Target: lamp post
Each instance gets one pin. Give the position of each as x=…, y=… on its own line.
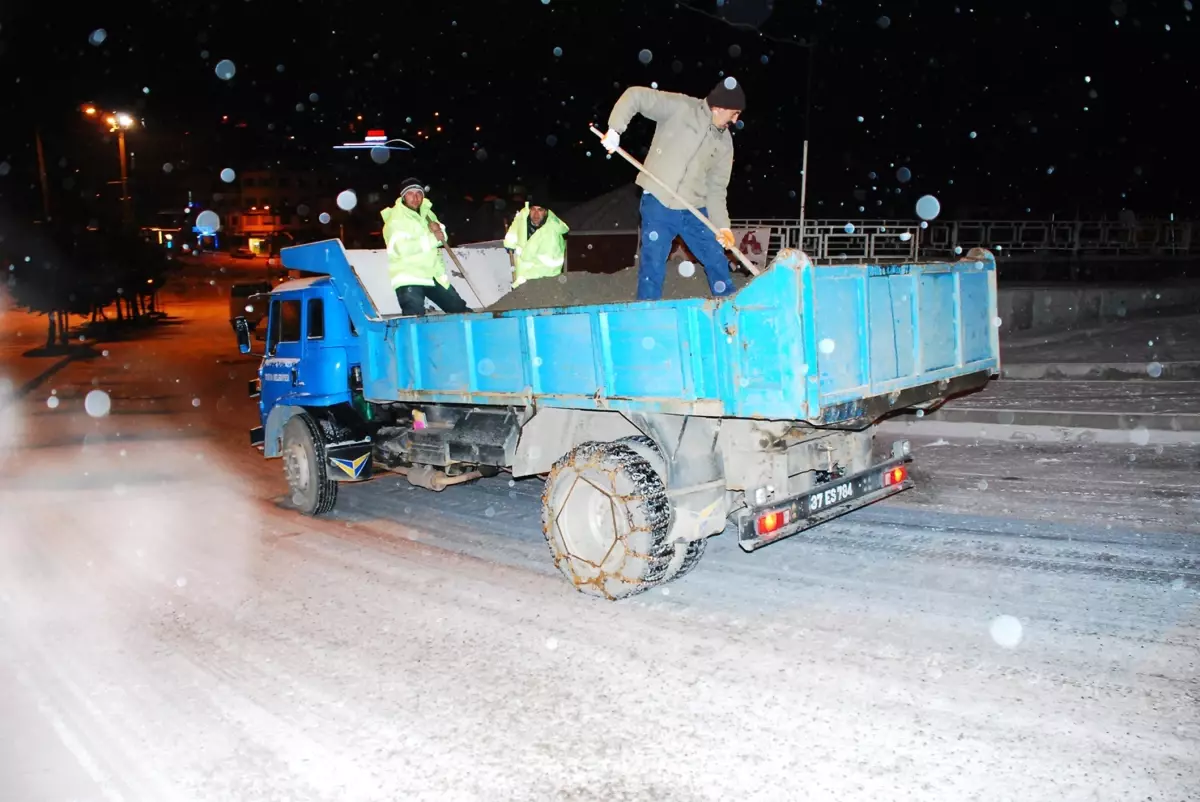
x=119, y=122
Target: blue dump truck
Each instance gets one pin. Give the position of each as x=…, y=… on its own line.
x=655, y=424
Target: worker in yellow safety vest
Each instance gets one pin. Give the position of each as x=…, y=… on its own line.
x=536, y=244
x=414, y=238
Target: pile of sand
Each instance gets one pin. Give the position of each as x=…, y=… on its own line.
x=586, y=289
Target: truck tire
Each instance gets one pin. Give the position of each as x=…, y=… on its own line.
x=605, y=516
x=685, y=555
x=304, y=466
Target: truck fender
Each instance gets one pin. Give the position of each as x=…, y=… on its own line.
x=277, y=418
x=553, y=431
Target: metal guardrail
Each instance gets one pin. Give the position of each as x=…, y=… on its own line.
x=1114, y=238
x=830, y=241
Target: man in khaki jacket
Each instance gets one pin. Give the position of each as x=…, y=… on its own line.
x=692, y=153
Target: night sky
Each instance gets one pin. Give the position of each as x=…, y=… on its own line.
x=999, y=109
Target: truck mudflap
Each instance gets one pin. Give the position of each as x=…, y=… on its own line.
x=350, y=462
x=761, y=526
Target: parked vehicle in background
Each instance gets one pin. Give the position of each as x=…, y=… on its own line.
x=249, y=301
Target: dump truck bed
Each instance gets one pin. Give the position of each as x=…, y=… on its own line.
x=800, y=342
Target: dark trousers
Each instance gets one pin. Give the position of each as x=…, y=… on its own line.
x=660, y=226
x=412, y=299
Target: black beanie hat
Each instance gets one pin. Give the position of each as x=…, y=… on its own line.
x=723, y=97
x=411, y=183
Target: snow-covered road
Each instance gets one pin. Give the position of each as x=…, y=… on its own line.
x=1023, y=626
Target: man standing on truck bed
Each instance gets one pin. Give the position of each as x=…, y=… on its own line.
x=413, y=235
x=692, y=153
x=536, y=244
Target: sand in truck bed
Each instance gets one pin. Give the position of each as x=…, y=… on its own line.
x=586, y=289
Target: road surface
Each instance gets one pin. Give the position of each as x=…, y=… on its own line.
x=1022, y=626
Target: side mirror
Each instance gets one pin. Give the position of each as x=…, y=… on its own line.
x=243, y=334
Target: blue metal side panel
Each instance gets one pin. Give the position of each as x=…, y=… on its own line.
x=939, y=321
x=843, y=346
x=890, y=302
x=975, y=292
x=764, y=348
x=924, y=323
x=700, y=361
x=809, y=369
x=648, y=354
x=683, y=356
x=757, y=354
x=563, y=354
x=440, y=351
x=498, y=358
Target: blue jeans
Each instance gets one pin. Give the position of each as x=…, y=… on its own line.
x=412, y=299
x=660, y=226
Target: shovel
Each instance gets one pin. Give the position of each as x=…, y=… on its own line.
x=463, y=273
x=746, y=263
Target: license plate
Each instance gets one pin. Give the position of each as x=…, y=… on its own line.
x=830, y=497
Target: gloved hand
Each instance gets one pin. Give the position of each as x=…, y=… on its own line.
x=611, y=141
x=439, y=231
x=726, y=239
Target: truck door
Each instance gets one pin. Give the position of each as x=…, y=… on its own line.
x=281, y=370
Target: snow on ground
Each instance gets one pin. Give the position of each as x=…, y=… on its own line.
x=1024, y=626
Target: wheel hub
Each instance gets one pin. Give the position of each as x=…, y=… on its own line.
x=295, y=467
x=587, y=520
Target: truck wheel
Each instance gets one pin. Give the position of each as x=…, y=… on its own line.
x=312, y=492
x=605, y=516
x=685, y=555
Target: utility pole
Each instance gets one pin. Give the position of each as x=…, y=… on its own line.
x=41, y=157
x=803, y=192
x=126, y=206
x=808, y=84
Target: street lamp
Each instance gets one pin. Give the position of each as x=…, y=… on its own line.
x=118, y=122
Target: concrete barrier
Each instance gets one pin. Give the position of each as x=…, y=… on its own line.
x=1045, y=307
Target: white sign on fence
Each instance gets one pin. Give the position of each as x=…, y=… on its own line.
x=750, y=241
x=753, y=242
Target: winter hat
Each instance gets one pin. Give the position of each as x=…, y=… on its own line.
x=728, y=94
x=411, y=183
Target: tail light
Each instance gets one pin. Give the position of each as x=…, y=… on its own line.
x=772, y=521
x=895, y=476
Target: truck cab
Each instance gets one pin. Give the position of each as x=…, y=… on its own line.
x=311, y=364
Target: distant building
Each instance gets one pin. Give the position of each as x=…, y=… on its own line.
x=263, y=210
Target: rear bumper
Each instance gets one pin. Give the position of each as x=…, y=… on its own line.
x=823, y=503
